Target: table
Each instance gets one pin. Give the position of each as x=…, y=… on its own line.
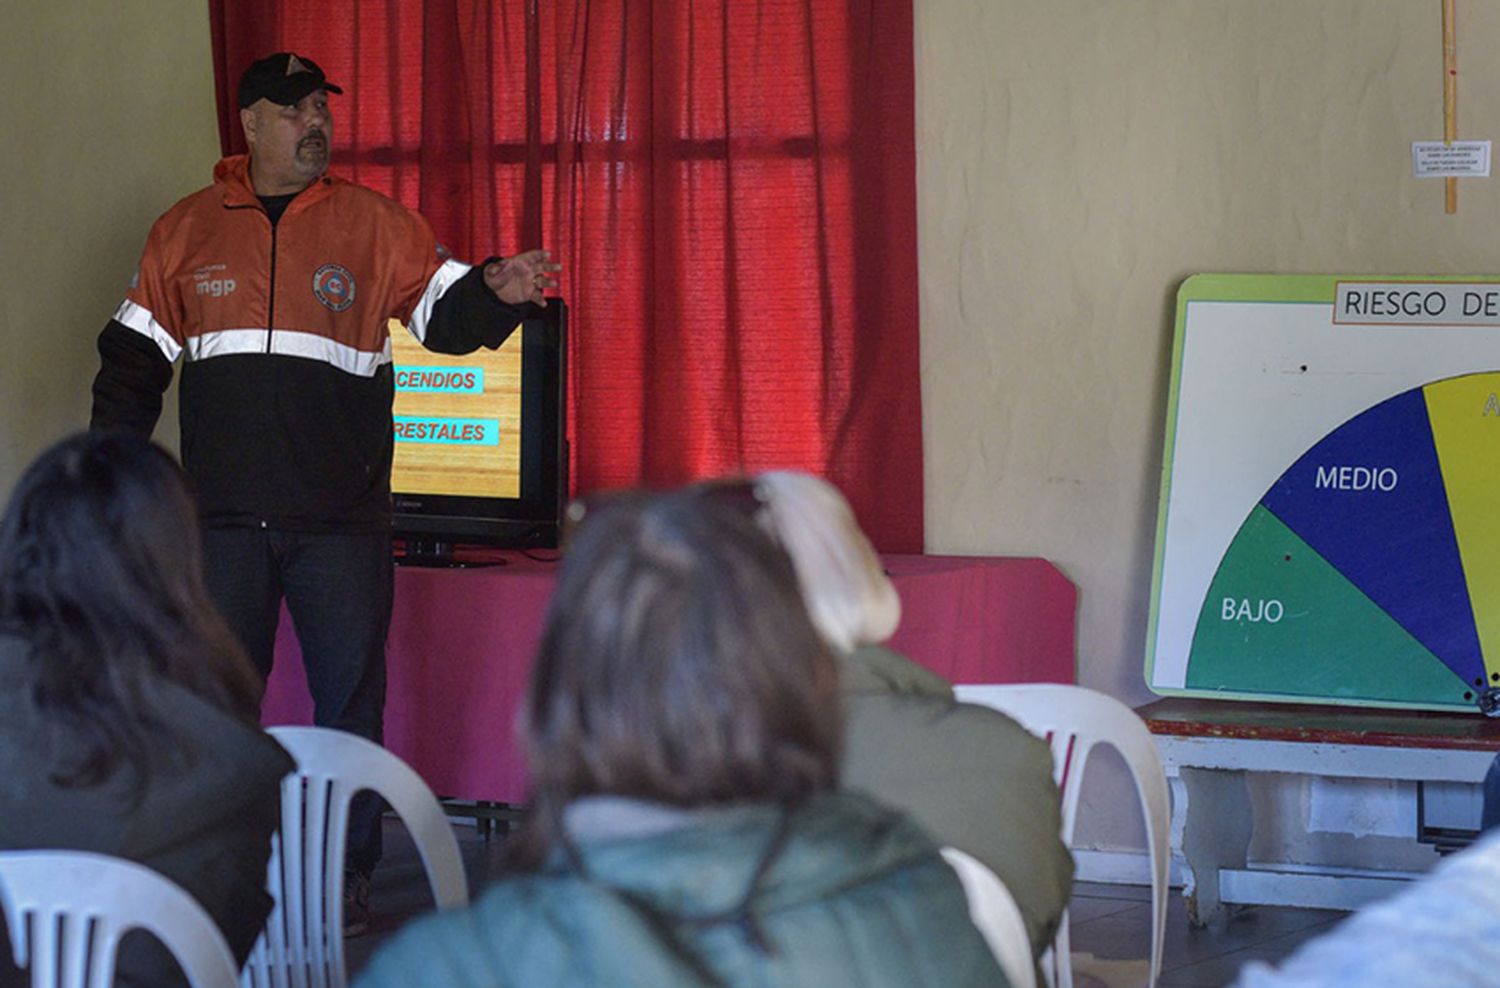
x=1208, y=747
x=462, y=640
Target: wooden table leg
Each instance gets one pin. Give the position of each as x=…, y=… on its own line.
x=1211, y=823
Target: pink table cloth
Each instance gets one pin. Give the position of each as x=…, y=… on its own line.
x=462, y=640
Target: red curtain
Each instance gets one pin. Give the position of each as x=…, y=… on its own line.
x=730, y=185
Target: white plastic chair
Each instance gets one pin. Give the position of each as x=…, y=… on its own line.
x=303, y=943
x=1073, y=720
x=66, y=912
x=994, y=911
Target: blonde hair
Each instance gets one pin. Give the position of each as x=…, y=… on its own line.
x=847, y=592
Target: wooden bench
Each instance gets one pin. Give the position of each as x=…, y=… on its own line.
x=1209, y=746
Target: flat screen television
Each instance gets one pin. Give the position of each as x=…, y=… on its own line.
x=481, y=450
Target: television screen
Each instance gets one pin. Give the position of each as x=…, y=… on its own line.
x=480, y=454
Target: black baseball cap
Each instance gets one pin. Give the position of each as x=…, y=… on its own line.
x=282, y=78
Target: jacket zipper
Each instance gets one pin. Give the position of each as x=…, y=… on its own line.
x=271, y=310
x=271, y=303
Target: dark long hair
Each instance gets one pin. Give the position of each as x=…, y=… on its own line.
x=100, y=571
x=678, y=665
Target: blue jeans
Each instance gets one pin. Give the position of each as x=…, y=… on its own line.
x=339, y=589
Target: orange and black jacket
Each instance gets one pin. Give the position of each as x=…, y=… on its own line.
x=286, y=390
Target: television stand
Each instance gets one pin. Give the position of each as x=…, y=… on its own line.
x=441, y=553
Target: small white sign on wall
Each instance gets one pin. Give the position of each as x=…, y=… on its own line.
x=1438, y=159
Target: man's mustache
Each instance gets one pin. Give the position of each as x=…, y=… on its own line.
x=315, y=136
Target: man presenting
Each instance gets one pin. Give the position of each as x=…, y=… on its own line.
x=275, y=285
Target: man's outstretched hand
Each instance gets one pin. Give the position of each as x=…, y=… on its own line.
x=522, y=278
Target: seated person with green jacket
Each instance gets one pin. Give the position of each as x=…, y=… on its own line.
x=687, y=828
x=973, y=777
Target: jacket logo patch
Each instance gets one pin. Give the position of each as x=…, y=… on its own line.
x=208, y=280
x=334, y=286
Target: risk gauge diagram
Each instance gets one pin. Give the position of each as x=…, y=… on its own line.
x=1370, y=570
x=1329, y=526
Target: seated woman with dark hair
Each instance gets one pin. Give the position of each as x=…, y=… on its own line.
x=682, y=731
x=972, y=776
x=127, y=709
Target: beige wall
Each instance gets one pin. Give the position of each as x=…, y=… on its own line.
x=108, y=118
x=1076, y=160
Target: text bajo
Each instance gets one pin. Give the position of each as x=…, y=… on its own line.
x=1269, y=611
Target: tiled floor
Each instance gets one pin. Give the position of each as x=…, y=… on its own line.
x=1114, y=921
x=1110, y=922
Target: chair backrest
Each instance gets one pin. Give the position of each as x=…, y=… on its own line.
x=994, y=911
x=303, y=943
x=1073, y=720
x=67, y=910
